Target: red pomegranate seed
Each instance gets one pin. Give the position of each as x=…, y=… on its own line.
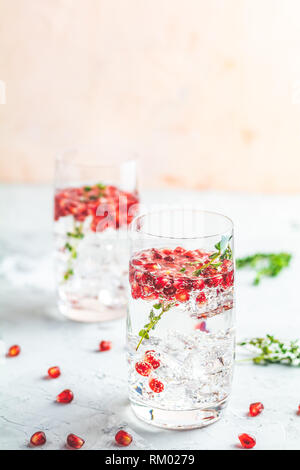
x=169, y=291
x=143, y=368
x=202, y=327
x=38, y=438
x=14, y=351
x=156, y=385
x=255, y=408
x=156, y=254
x=105, y=346
x=179, y=250
x=201, y=299
x=160, y=282
x=54, y=372
x=151, y=266
x=123, y=438
x=74, y=441
x=151, y=359
x=198, y=284
x=247, y=441
x=66, y=396
x=182, y=296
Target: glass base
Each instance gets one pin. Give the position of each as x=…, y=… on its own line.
x=90, y=311
x=179, y=419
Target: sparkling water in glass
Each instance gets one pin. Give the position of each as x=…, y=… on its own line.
x=180, y=324
x=95, y=200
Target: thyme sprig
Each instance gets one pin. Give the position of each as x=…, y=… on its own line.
x=77, y=234
x=265, y=264
x=154, y=318
x=270, y=350
x=223, y=252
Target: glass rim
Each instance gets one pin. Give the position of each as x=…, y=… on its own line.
x=61, y=157
x=165, y=237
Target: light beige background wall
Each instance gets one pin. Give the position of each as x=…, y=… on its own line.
x=207, y=91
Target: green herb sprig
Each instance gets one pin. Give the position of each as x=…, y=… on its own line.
x=154, y=318
x=265, y=265
x=77, y=234
x=270, y=350
x=223, y=252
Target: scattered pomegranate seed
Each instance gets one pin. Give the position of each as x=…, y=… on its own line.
x=14, y=351
x=247, y=441
x=38, y=438
x=202, y=327
x=143, y=368
x=54, y=372
x=151, y=359
x=255, y=408
x=156, y=385
x=74, y=441
x=123, y=438
x=105, y=346
x=66, y=396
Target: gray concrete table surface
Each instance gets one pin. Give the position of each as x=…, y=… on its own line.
x=28, y=317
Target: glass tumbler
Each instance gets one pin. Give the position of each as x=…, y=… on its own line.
x=181, y=322
x=95, y=200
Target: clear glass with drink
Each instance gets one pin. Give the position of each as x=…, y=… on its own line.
x=95, y=199
x=181, y=323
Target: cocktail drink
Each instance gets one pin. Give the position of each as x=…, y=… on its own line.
x=181, y=332
x=93, y=207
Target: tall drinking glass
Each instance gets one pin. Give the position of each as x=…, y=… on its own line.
x=95, y=200
x=181, y=325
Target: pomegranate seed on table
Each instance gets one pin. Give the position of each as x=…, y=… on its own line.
x=156, y=385
x=143, y=368
x=54, y=372
x=74, y=441
x=66, y=396
x=38, y=438
x=105, y=346
x=255, y=408
x=151, y=359
x=123, y=438
x=202, y=327
x=14, y=351
x=247, y=442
